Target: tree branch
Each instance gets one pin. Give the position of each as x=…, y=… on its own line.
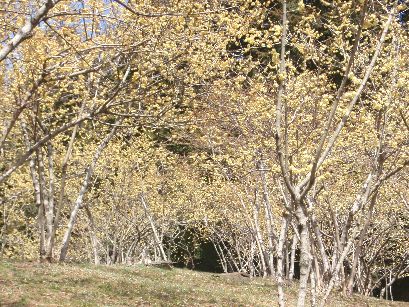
x=28, y=27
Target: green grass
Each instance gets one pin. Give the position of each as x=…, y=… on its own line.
x=33, y=284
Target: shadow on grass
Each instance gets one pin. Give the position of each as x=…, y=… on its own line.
x=22, y=302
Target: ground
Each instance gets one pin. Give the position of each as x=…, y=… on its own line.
x=33, y=284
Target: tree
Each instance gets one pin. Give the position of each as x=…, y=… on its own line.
x=275, y=132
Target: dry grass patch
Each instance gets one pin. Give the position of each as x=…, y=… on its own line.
x=33, y=284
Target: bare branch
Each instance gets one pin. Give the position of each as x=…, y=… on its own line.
x=279, y=108
x=334, y=108
x=170, y=14
x=309, y=180
x=28, y=27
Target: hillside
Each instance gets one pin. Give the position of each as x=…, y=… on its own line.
x=33, y=284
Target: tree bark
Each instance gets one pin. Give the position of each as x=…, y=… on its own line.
x=292, y=258
x=49, y=205
x=268, y=216
x=60, y=201
x=305, y=257
x=28, y=27
x=280, y=258
x=84, y=188
x=158, y=242
x=93, y=236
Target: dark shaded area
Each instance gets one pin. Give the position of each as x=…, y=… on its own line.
x=208, y=261
x=403, y=16
x=190, y=250
x=296, y=265
x=400, y=290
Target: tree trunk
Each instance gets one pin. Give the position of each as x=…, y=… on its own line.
x=84, y=189
x=62, y=191
x=222, y=258
x=35, y=177
x=49, y=209
x=280, y=257
x=93, y=236
x=158, y=242
x=292, y=258
x=268, y=219
x=313, y=287
x=305, y=257
x=323, y=254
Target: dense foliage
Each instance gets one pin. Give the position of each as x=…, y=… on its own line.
x=275, y=132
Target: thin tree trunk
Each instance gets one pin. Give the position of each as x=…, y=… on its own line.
x=286, y=258
x=233, y=261
x=84, y=189
x=3, y=229
x=155, y=233
x=255, y=230
x=222, y=259
x=292, y=258
x=60, y=201
x=313, y=288
x=280, y=256
x=259, y=241
x=37, y=194
x=315, y=267
x=318, y=236
x=49, y=205
x=390, y=283
x=93, y=236
x=268, y=219
x=251, y=259
x=332, y=281
x=42, y=221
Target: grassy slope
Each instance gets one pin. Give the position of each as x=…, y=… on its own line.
x=30, y=284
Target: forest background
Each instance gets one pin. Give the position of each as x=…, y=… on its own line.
x=276, y=132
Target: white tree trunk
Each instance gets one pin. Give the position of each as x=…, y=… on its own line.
x=155, y=232
x=268, y=216
x=28, y=27
x=292, y=257
x=84, y=189
x=280, y=258
x=305, y=257
x=93, y=236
